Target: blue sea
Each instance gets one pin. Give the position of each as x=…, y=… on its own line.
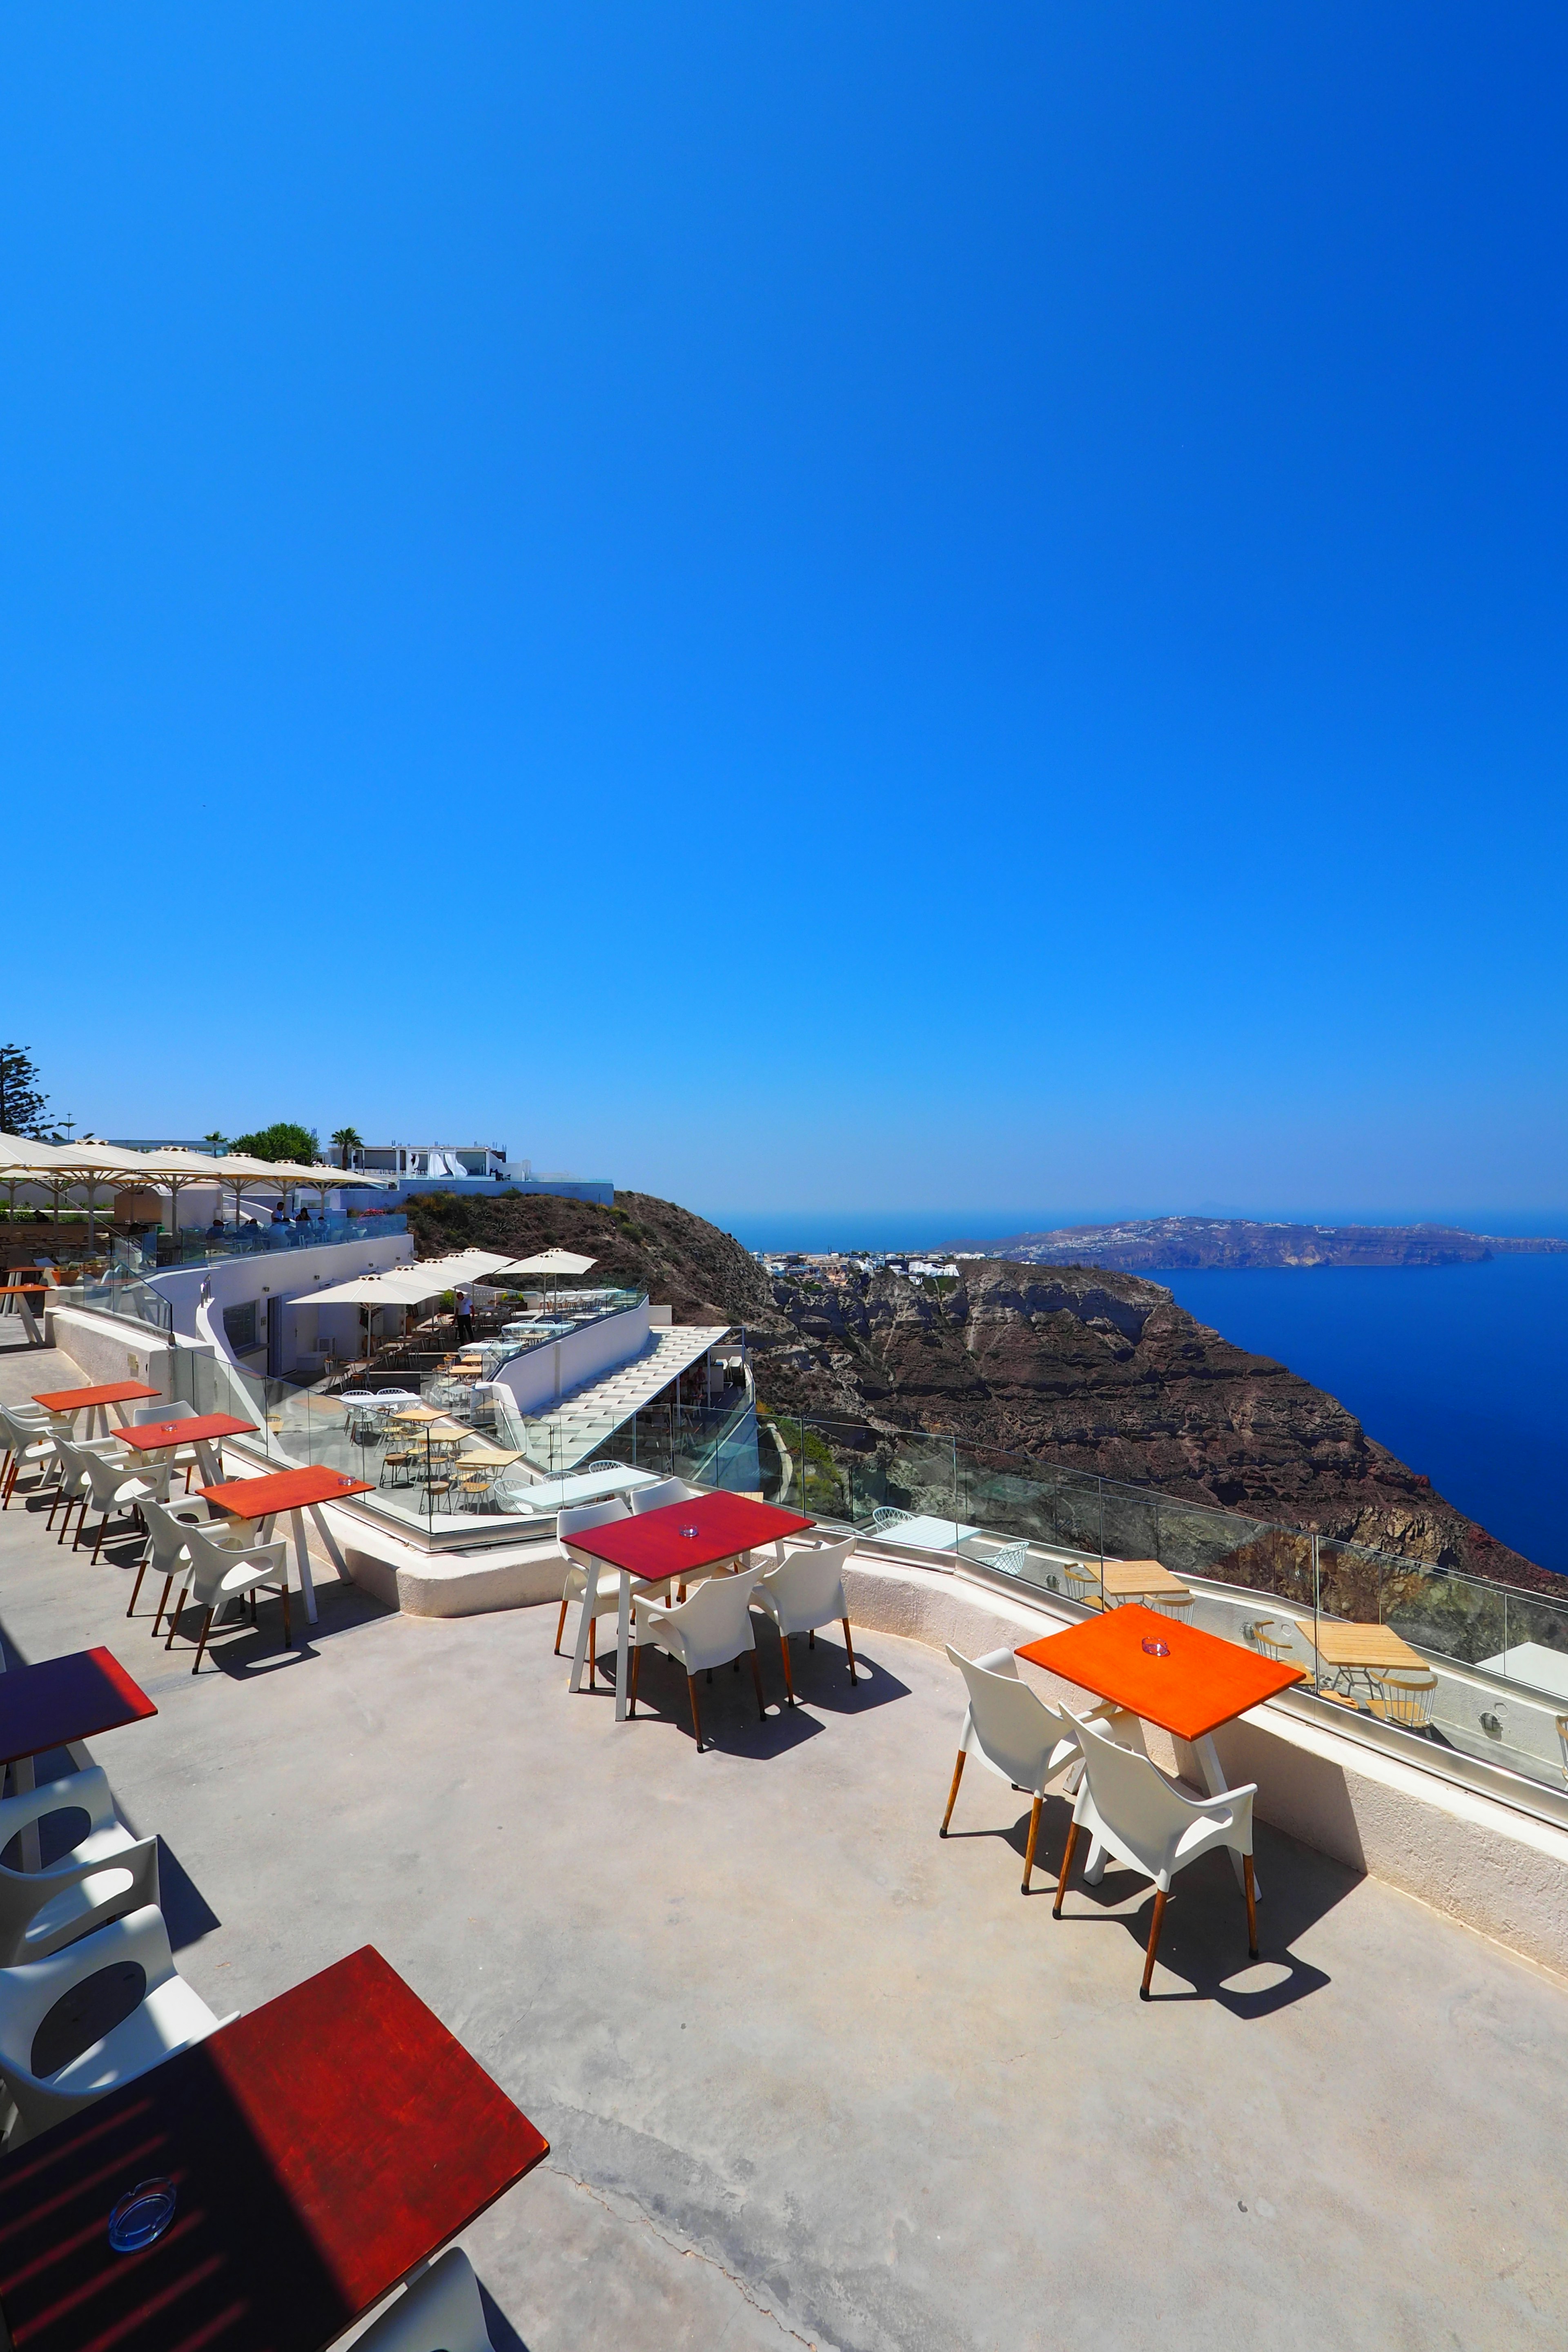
x=1461, y=1371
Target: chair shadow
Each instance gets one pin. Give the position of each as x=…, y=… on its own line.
x=728, y=1706
x=1204, y=1936
x=238, y=1648
x=503, y=2336
x=822, y=1675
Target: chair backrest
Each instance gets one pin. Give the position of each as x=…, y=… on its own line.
x=809, y=1585
x=884, y=1516
x=1011, y=1560
x=1131, y=1794
x=75, y=1458
x=211, y=1560
x=1015, y=1730
x=717, y=1615
x=439, y=2312
x=106, y=1475
x=582, y=1516
x=167, y=1409
x=168, y=1530
x=662, y=1491
x=32, y=1990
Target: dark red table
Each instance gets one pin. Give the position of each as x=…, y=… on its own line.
x=296, y=1492
x=321, y=2147
x=654, y=1546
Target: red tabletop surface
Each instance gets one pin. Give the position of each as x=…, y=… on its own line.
x=1203, y=1682
x=197, y=1428
x=282, y=1490
x=112, y=1392
x=653, y=1548
x=319, y=2146
x=60, y=1699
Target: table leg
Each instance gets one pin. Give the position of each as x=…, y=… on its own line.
x=302, y=1561
x=207, y=1458
x=623, y=1645
x=22, y=1782
x=331, y=1542
x=1214, y=1782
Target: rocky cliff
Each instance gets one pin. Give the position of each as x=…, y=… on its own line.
x=1074, y=1365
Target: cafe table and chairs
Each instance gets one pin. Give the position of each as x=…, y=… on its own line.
x=61, y=1703
x=1356, y=1657
x=96, y=1403
x=1146, y=1581
x=265, y=2189
x=1159, y=1671
x=203, y=1432
x=296, y=1495
x=923, y=1531
x=652, y=1549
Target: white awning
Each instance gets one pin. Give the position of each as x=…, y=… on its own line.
x=550, y=1261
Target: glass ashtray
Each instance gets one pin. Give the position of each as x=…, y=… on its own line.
x=689, y=1531
x=1155, y=1647
x=141, y=2216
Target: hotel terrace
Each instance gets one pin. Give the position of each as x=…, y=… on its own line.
x=670, y=1868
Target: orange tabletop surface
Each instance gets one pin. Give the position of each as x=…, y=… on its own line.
x=112, y=1392
x=1203, y=1682
x=282, y=1490
x=197, y=1429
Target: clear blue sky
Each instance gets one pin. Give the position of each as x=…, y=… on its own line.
x=820, y=606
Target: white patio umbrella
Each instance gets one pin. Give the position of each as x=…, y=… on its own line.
x=554, y=1262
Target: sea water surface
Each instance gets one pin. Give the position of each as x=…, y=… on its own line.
x=1461, y=1371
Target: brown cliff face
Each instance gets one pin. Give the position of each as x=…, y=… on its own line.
x=1073, y=1365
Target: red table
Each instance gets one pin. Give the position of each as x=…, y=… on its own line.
x=296, y=1492
x=94, y=1399
x=323, y=2148
x=1201, y=1682
x=201, y=1429
x=654, y=1546
x=60, y=1703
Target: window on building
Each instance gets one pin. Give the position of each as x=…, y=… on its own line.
x=239, y=1328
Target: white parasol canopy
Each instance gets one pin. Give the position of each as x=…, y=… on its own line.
x=550, y=1261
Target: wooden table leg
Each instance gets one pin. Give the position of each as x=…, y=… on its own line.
x=1214, y=1782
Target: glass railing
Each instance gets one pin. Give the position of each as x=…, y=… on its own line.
x=205, y=1244
x=115, y=1290
x=1489, y=1678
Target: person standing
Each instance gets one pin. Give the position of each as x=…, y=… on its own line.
x=465, y=1315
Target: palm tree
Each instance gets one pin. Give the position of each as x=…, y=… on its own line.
x=348, y=1141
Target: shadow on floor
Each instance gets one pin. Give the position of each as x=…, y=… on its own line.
x=503, y=2336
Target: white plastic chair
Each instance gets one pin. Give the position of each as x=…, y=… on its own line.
x=164, y=1550
x=1150, y=1825
x=182, y=1457
x=1015, y=1734
x=663, y=1492
x=106, y=1873
x=170, y=2016
x=29, y=1444
x=583, y=1570
x=109, y=1486
x=805, y=1591
x=216, y=1573
x=439, y=2312
x=710, y=1629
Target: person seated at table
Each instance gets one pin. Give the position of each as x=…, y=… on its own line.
x=304, y=1217
x=280, y=1213
x=217, y=1225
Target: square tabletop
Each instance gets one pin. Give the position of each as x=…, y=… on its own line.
x=319, y=2146
x=1127, y=1578
x=654, y=1545
x=1338, y=1645
x=110, y=1393
x=197, y=1429
x=64, y=1699
x=282, y=1490
x=927, y=1534
x=1201, y=1684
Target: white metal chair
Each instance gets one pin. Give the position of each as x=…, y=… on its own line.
x=662, y=1491
x=1015, y=1734
x=885, y=1516
x=106, y=1873
x=711, y=1629
x=216, y=1573
x=1127, y=1804
x=583, y=1570
x=170, y=2016
x=1172, y=1605
x=1011, y=1560
x=1404, y=1694
x=108, y=1485
x=439, y=2312
x=805, y=1591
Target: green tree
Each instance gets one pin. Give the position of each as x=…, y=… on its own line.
x=348, y=1139
x=284, y=1139
x=22, y=1106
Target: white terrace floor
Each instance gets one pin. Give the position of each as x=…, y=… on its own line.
x=809, y=2075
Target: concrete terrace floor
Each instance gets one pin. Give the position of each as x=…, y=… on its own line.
x=810, y=2075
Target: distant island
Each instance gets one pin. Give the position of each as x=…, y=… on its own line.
x=1181, y=1245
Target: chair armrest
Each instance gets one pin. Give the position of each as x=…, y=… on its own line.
x=1226, y=1802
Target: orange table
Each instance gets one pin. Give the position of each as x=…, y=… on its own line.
x=1200, y=1683
x=93, y=1401
x=296, y=1492
x=201, y=1429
